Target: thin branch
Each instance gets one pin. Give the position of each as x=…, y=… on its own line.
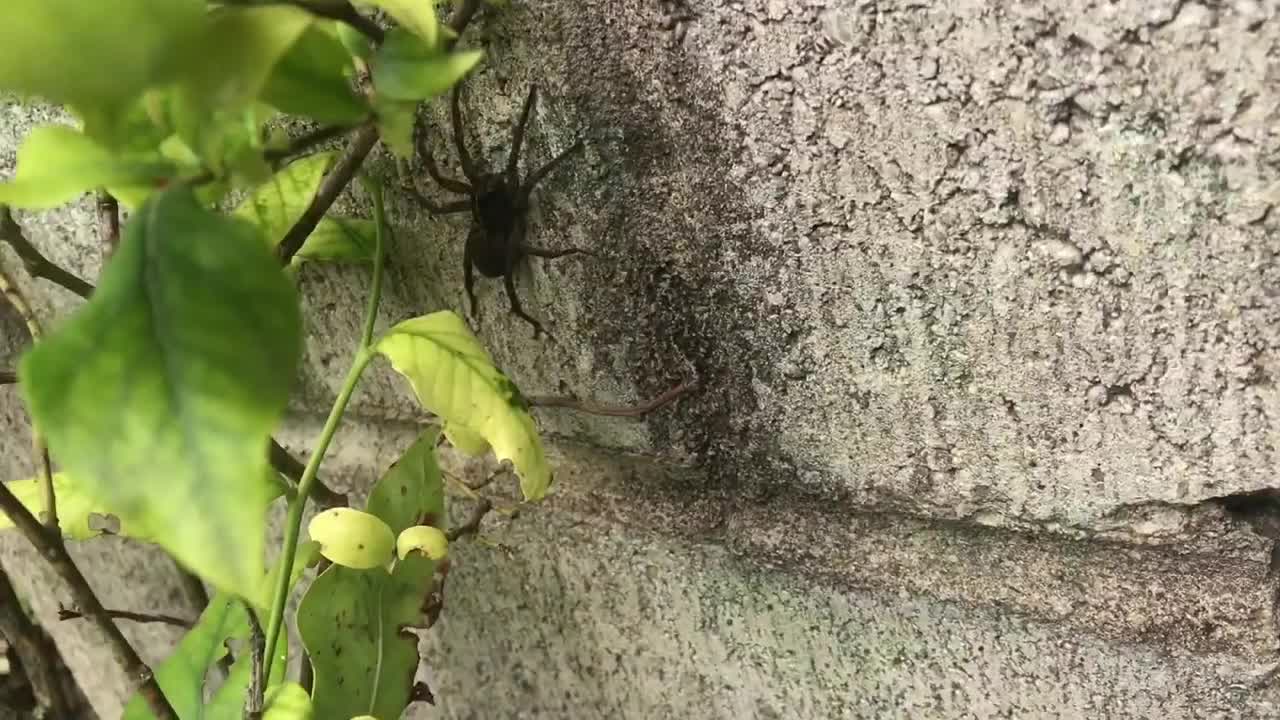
x=108, y=223
x=304, y=142
x=257, y=646
x=9, y=289
x=339, y=10
x=192, y=586
x=8, y=377
x=472, y=525
x=159, y=618
x=572, y=403
x=36, y=264
x=291, y=467
x=330, y=188
x=38, y=656
x=53, y=550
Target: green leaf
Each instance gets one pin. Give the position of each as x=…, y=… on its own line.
x=406, y=68
x=395, y=125
x=337, y=238
x=80, y=515
x=355, y=42
x=95, y=56
x=412, y=491
x=57, y=163
x=455, y=378
x=352, y=621
x=239, y=49
x=414, y=16
x=277, y=204
x=313, y=79
x=160, y=393
x=183, y=675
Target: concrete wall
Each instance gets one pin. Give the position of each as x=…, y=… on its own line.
x=983, y=300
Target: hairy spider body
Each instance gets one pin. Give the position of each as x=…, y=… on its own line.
x=499, y=206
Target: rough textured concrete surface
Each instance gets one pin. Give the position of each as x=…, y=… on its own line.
x=982, y=298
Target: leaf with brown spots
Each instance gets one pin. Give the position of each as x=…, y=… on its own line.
x=354, y=622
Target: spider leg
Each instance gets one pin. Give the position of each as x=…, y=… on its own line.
x=517, y=136
x=468, y=272
x=552, y=254
x=468, y=167
x=450, y=208
x=508, y=276
x=545, y=170
x=429, y=159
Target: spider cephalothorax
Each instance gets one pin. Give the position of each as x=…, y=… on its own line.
x=499, y=206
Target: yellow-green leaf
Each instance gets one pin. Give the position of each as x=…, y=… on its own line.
x=466, y=440
x=352, y=538
x=288, y=702
x=426, y=539
x=57, y=163
x=454, y=377
x=80, y=515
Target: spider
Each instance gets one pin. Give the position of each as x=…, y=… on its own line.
x=499, y=205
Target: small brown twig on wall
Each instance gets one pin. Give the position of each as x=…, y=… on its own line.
x=572, y=403
x=9, y=290
x=38, y=656
x=36, y=263
x=67, y=614
x=472, y=525
x=8, y=377
x=257, y=646
x=108, y=224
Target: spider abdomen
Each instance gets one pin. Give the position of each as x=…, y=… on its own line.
x=494, y=213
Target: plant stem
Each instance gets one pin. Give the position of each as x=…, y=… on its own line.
x=9, y=289
x=293, y=523
x=36, y=651
x=38, y=265
x=379, y=256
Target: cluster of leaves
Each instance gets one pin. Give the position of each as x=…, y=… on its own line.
x=159, y=395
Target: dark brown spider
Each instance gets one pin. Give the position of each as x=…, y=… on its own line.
x=499, y=206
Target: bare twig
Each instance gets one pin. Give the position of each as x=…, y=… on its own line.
x=36, y=264
x=108, y=223
x=192, y=587
x=304, y=142
x=472, y=525
x=9, y=289
x=8, y=377
x=351, y=160
x=339, y=10
x=291, y=467
x=38, y=656
x=51, y=548
x=160, y=618
x=257, y=646
x=330, y=188
x=572, y=403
